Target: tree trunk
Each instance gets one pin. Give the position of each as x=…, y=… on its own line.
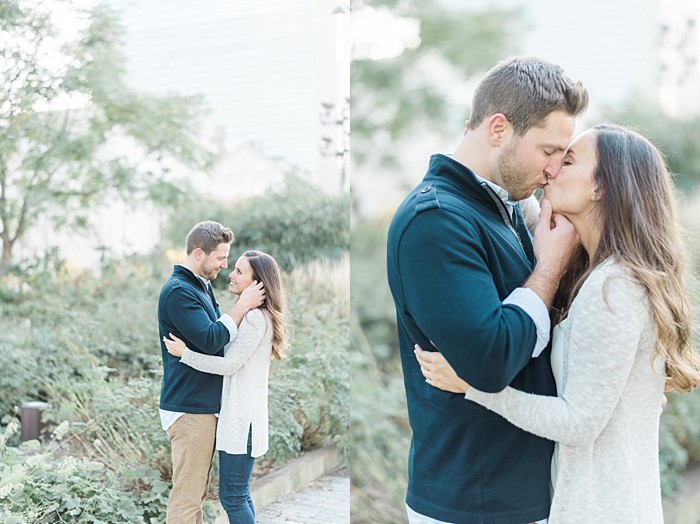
x=6, y=254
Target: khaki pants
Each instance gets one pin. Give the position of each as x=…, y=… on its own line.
x=192, y=440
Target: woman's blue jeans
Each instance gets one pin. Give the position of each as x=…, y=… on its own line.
x=234, y=486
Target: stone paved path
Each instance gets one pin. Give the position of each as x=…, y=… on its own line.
x=324, y=501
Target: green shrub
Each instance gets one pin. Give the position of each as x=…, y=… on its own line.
x=104, y=404
x=679, y=438
x=38, y=358
x=380, y=439
x=113, y=317
x=115, y=422
x=39, y=486
x=123, y=310
x=672, y=458
x=295, y=223
x=309, y=390
x=380, y=435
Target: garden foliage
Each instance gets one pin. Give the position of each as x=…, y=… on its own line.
x=89, y=347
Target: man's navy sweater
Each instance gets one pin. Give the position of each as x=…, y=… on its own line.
x=186, y=310
x=452, y=259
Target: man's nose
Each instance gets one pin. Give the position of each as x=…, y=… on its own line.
x=553, y=167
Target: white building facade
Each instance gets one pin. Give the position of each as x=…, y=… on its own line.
x=267, y=70
x=274, y=78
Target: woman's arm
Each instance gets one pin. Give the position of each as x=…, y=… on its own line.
x=604, y=337
x=250, y=333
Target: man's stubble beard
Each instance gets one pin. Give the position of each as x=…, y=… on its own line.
x=209, y=273
x=512, y=172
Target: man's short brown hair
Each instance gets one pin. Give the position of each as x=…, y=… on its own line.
x=526, y=90
x=207, y=235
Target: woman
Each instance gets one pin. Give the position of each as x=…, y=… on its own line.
x=242, y=431
x=623, y=334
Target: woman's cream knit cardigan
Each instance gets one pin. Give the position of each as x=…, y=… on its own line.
x=245, y=366
x=606, y=416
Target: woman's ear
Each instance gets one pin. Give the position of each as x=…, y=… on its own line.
x=597, y=194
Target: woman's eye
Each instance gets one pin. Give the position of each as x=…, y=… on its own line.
x=567, y=162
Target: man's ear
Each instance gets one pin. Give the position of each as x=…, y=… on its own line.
x=498, y=129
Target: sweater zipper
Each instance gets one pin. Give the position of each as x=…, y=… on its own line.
x=504, y=212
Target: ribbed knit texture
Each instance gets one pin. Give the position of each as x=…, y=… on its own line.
x=606, y=417
x=245, y=366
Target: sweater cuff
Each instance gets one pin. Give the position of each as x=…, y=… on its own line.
x=228, y=322
x=527, y=300
x=186, y=357
x=479, y=397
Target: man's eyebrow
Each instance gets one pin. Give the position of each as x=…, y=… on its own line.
x=555, y=147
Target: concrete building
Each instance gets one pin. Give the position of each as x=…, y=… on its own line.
x=273, y=73
x=274, y=77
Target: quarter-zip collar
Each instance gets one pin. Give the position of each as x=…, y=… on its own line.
x=465, y=180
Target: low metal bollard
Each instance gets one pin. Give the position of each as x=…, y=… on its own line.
x=31, y=420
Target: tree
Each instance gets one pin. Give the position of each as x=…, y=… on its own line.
x=392, y=98
x=72, y=133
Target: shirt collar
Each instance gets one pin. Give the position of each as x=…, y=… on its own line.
x=202, y=279
x=501, y=192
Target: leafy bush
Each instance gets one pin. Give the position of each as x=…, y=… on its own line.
x=39, y=486
x=309, y=391
x=113, y=317
x=380, y=434
x=295, y=223
x=679, y=439
x=104, y=404
x=115, y=422
x=37, y=358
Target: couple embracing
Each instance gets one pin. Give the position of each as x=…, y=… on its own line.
x=514, y=421
x=214, y=390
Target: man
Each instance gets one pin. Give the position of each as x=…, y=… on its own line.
x=461, y=268
x=189, y=399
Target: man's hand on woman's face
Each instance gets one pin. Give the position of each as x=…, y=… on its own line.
x=438, y=372
x=555, y=239
x=174, y=345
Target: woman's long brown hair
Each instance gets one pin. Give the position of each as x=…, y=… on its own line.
x=266, y=270
x=639, y=229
